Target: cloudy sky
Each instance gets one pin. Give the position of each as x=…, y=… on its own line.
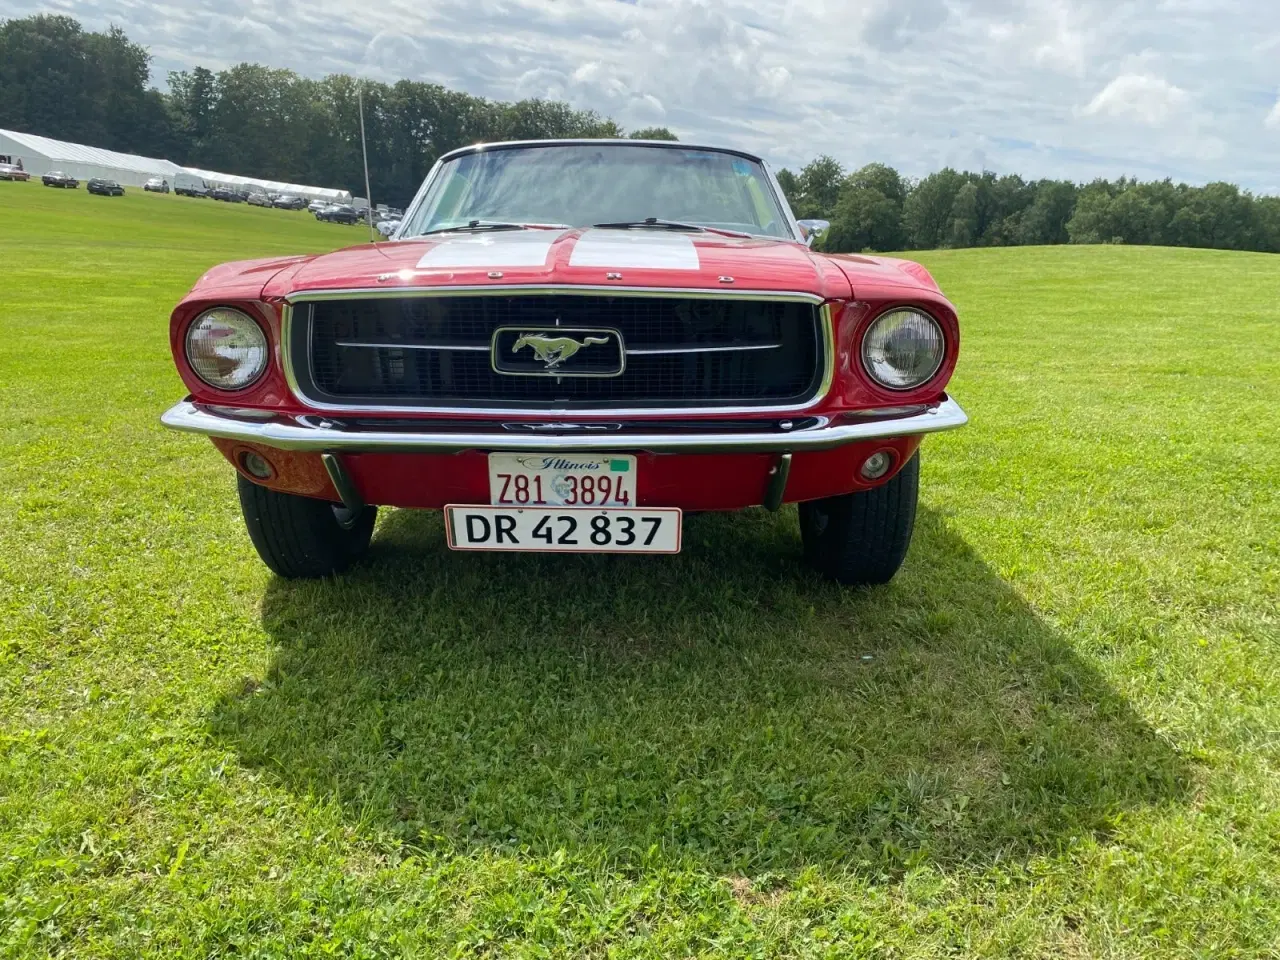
x=1074, y=88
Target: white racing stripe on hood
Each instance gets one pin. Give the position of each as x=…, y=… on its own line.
x=633, y=248
x=514, y=248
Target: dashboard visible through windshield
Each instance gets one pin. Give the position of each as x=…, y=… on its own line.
x=581, y=185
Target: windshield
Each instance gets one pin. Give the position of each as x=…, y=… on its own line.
x=583, y=184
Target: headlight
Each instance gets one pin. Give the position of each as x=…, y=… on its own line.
x=226, y=348
x=903, y=348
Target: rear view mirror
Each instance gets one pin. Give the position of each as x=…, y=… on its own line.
x=812, y=228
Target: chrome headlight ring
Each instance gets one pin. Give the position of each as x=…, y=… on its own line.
x=226, y=348
x=903, y=348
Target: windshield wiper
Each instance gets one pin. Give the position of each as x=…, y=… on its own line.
x=475, y=225
x=661, y=224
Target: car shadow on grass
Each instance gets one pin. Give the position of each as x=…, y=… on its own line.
x=723, y=707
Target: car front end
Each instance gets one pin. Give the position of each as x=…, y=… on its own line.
x=604, y=372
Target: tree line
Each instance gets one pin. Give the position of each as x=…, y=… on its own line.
x=875, y=208
x=59, y=80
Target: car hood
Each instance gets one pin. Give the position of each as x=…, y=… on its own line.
x=588, y=257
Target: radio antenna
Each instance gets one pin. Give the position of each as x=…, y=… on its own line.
x=364, y=151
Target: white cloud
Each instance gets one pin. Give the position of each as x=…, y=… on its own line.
x=1133, y=96
x=1273, y=118
x=897, y=24
x=1048, y=34
x=1176, y=128
x=1077, y=88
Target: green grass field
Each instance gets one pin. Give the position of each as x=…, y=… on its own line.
x=1055, y=734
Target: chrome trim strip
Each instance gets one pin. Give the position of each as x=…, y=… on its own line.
x=588, y=142
x=630, y=351
x=777, y=487
x=826, y=322
x=410, y=346
x=496, y=289
x=246, y=413
x=324, y=436
x=342, y=482
x=792, y=223
x=663, y=351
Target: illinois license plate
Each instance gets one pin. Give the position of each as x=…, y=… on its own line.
x=563, y=529
x=580, y=480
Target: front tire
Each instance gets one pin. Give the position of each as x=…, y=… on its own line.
x=861, y=538
x=301, y=537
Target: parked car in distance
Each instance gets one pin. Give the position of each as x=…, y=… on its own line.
x=156, y=185
x=315, y=206
x=104, y=188
x=9, y=171
x=189, y=185
x=56, y=178
x=338, y=213
x=259, y=200
x=227, y=194
x=287, y=201
x=570, y=370
x=387, y=227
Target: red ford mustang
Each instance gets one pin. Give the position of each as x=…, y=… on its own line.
x=565, y=346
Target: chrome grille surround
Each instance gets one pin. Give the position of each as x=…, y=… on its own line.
x=294, y=320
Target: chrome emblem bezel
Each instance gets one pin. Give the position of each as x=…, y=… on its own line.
x=548, y=345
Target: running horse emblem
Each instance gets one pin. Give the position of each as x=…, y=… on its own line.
x=554, y=351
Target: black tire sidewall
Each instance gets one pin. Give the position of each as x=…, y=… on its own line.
x=301, y=537
x=861, y=538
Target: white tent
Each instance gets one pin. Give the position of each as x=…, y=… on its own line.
x=41, y=155
x=259, y=185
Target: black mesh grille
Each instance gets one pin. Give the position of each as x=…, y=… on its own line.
x=434, y=351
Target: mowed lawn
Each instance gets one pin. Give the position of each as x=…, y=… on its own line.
x=1055, y=734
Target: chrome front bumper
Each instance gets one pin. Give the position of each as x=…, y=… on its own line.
x=320, y=434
